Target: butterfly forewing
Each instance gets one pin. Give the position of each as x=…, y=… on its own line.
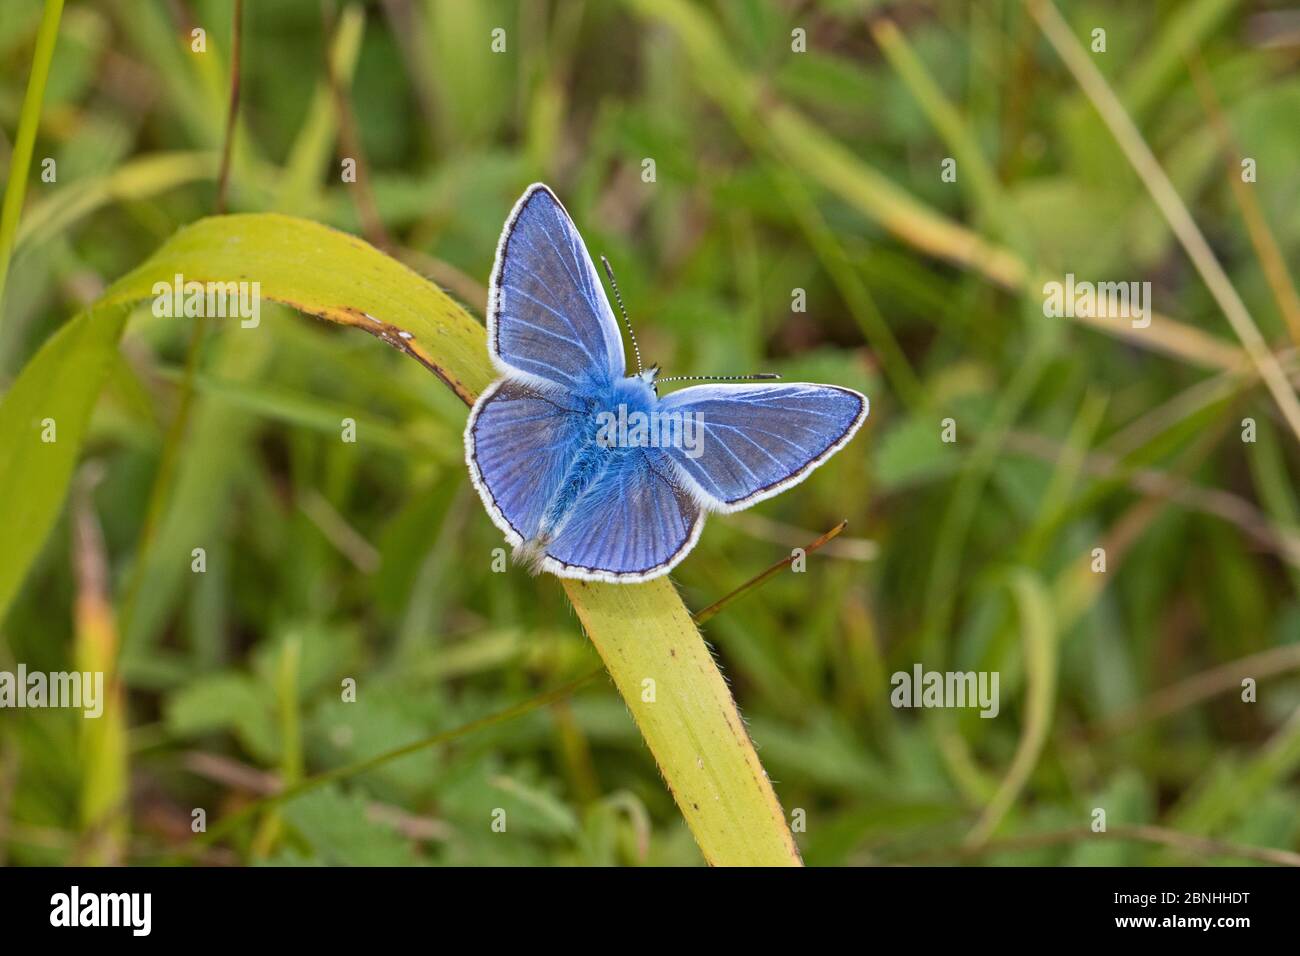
x=548, y=315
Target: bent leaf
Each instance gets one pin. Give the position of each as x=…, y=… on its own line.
x=642, y=632
x=328, y=274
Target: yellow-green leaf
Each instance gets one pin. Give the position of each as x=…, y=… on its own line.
x=42, y=421
x=328, y=274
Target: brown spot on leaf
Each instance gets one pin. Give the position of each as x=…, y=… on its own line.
x=398, y=338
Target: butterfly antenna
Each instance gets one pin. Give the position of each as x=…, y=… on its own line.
x=757, y=376
x=609, y=271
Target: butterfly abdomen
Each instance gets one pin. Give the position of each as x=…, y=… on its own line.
x=586, y=467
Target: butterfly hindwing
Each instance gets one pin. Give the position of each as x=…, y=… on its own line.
x=635, y=521
x=518, y=443
x=758, y=440
x=548, y=315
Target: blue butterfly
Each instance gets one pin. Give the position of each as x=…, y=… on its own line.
x=587, y=471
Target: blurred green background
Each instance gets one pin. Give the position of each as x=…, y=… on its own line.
x=774, y=171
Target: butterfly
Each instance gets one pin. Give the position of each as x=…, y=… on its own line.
x=585, y=468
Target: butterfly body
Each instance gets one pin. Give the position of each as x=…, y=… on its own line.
x=592, y=461
x=587, y=471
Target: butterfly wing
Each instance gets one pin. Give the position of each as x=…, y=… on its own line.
x=518, y=443
x=549, y=320
x=635, y=522
x=758, y=440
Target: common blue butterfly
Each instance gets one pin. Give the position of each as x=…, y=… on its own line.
x=587, y=471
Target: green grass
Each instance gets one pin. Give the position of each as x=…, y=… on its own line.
x=484, y=695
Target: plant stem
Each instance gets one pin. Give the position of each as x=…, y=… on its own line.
x=20, y=160
x=223, y=178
